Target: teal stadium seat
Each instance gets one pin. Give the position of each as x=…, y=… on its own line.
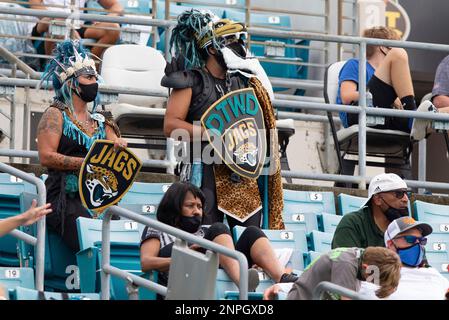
x=125, y=254
x=289, y=54
x=143, y=193
x=301, y=208
x=320, y=241
x=143, y=209
x=11, y=278
x=437, y=248
x=280, y=239
x=328, y=222
x=347, y=203
x=30, y=294
x=12, y=191
x=311, y=256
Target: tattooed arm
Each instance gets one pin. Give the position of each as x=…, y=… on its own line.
x=49, y=134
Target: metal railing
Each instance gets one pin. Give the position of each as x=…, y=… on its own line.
x=326, y=286
x=107, y=270
x=39, y=241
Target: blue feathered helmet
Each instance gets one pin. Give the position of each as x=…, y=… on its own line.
x=71, y=61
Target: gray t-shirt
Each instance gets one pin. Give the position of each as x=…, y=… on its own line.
x=441, y=84
x=339, y=266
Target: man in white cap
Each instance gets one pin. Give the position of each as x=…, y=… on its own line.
x=387, y=201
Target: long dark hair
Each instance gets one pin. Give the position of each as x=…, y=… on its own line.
x=170, y=207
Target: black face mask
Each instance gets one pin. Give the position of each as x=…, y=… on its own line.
x=88, y=91
x=220, y=60
x=189, y=224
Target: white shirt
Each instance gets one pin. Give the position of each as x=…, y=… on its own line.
x=415, y=284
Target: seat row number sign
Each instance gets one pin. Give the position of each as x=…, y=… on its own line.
x=287, y=235
x=12, y=273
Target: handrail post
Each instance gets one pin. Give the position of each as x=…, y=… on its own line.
x=362, y=115
x=41, y=199
x=105, y=256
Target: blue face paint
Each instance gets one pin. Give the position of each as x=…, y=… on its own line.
x=411, y=256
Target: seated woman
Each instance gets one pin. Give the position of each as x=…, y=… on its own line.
x=182, y=207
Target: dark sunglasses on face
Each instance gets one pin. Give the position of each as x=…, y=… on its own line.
x=412, y=239
x=399, y=194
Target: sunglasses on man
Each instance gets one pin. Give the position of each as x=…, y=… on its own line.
x=399, y=194
x=412, y=239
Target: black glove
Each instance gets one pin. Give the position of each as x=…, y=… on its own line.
x=176, y=64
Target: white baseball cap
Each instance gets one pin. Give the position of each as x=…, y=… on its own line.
x=384, y=182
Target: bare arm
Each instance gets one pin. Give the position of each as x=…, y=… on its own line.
x=49, y=134
x=118, y=142
x=30, y=216
x=348, y=92
x=113, y=6
x=177, y=109
x=441, y=101
x=37, y=4
x=149, y=259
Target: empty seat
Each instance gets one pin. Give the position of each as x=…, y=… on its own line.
x=148, y=210
x=30, y=294
x=142, y=193
x=437, y=248
x=11, y=278
x=301, y=207
x=320, y=241
x=328, y=222
x=311, y=256
x=284, y=239
x=125, y=254
x=10, y=185
x=348, y=203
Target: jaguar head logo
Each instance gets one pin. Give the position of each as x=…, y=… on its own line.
x=247, y=153
x=101, y=183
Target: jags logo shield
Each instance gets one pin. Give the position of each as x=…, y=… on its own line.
x=106, y=175
x=235, y=128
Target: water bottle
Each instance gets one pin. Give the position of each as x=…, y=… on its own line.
x=196, y=172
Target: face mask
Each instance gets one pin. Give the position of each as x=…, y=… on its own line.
x=393, y=214
x=88, y=91
x=190, y=224
x=411, y=256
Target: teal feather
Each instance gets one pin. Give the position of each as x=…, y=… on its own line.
x=71, y=131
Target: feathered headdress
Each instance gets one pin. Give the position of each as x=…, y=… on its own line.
x=71, y=60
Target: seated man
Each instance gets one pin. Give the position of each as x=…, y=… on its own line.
x=406, y=237
x=388, y=79
x=99, y=30
x=387, y=201
x=346, y=267
x=438, y=103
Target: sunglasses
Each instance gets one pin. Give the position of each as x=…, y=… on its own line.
x=412, y=239
x=399, y=194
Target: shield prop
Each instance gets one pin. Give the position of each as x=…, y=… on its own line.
x=236, y=129
x=106, y=175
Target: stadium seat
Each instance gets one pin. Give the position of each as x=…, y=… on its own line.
x=284, y=239
x=348, y=203
x=29, y=294
x=143, y=193
x=328, y=222
x=14, y=252
x=389, y=145
x=10, y=185
x=125, y=254
x=143, y=209
x=11, y=278
x=136, y=115
x=301, y=208
x=320, y=241
x=437, y=248
x=311, y=256
x=274, y=48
